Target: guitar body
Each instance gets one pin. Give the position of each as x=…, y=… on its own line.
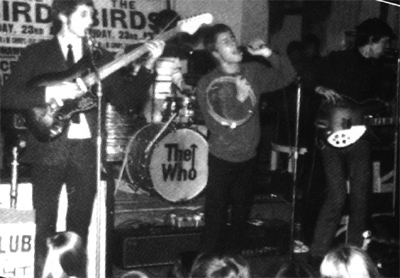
x=48, y=123
x=344, y=123
x=42, y=123
x=339, y=117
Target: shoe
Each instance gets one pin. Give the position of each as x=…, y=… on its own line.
x=300, y=247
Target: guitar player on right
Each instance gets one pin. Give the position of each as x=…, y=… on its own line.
x=356, y=76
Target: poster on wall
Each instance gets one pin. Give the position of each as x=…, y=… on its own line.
x=117, y=23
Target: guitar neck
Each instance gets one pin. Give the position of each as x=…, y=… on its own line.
x=380, y=121
x=124, y=60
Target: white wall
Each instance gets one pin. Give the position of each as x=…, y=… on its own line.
x=247, y=18
x=255, y=20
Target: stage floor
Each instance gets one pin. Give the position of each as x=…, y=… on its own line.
x=260, y=266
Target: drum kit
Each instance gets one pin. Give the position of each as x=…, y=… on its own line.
x=166, y=154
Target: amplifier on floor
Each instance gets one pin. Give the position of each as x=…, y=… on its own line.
x=161, y=245
x=153, y=245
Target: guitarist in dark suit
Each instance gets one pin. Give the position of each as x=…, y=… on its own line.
x=71, y=157
x=355, y=74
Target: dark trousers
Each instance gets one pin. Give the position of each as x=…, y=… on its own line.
x=79, y=174
x=230, y=185
x=354, y=164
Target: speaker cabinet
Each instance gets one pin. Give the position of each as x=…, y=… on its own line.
x=162, y=245
x=153, y=246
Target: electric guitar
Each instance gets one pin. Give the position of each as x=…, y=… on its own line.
x=344, y=123
x=47, y=123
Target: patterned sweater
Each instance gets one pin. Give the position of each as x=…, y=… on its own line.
x=221, y=95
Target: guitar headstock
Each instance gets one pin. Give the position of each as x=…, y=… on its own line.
x=191, y=24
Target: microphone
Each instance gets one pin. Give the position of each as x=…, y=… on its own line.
x=248, y=57
x=92, y=44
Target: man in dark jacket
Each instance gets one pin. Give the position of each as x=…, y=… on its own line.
x=69, y=158
x=347, y=80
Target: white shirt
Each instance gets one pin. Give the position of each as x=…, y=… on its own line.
x=79, y=130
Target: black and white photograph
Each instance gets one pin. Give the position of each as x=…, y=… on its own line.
x=199, y=138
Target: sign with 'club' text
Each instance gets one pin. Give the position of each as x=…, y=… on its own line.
x=17, y=243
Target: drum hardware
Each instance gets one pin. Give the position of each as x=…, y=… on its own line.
x=159, y=133
x=183, y=219
x=171, y=105
x=119, y=128
x=126, y=157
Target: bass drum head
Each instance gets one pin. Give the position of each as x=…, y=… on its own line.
x=172, y=163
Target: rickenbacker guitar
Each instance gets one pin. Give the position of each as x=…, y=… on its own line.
x=344, y=123
x=47, y=123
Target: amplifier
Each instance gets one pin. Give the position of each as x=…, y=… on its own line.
x=162, y=245
x=153, y=246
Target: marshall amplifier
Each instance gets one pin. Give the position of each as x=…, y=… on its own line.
x=152, y=246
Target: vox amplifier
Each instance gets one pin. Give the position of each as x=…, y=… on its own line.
x=153, y=246
x=162, y=245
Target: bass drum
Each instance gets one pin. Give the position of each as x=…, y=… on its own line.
x=169, y=161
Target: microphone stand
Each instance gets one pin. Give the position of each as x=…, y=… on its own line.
x=101, y=233
x=396, y=146
x=295, y=158
x=396, y=173
x=14, y=179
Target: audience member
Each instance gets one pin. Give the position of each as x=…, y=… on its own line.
x=294, y=269
x=348, y=261
x=66, y=256
x=220, y=266
x=183, y=265
x=134, y=274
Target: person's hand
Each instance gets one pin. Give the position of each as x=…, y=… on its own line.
x=230, y=125
x=258, y=47
x=156, y=49
x=63, y=91
x=329, y=94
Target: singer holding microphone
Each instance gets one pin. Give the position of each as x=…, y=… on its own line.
x=71, y=157
x=225, y=95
